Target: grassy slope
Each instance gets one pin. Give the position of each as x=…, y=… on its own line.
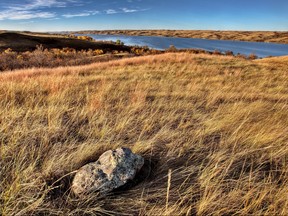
x=24, y=42
x=219, y=123
x=258, y=36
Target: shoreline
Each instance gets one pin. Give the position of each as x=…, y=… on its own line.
x=280, y=37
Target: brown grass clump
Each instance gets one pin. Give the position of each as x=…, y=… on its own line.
x=212, y=129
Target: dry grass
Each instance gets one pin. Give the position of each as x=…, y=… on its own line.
x=257, y=36
x=218, y=123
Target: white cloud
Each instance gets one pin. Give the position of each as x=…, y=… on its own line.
x=126, y=10
x=33, y=9
x=93, y=12
x=76, y=15
x=111, y=11
x=37, y=4
x=123, y=10
x=83, y=14
x=25, y=15
x=37, y=9
x=131, y=1
x=54, y=18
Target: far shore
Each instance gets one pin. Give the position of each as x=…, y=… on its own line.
x=255, y=36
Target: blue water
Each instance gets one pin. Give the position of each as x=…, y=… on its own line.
x=161, y=43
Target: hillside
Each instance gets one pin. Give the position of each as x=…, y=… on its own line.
x=218, y=123
x=22, y=42
x=256, y=36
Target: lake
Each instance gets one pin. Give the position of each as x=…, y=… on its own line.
x=161, y=43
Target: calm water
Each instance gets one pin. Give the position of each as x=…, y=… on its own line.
x=260, y=49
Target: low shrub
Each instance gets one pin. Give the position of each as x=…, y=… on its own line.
x=40, y=57
x=229, y=53
x=252, y=56
x=119, y=42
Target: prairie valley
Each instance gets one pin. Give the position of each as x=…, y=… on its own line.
x=207, y=127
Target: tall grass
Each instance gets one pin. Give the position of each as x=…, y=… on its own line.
x=212, y=129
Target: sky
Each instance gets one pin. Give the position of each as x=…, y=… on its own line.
x=72, y=15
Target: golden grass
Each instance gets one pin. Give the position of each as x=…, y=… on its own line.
x=218, y=123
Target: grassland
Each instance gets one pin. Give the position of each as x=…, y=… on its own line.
x=256, y=36
x=218, y=123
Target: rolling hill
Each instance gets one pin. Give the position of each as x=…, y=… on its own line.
x=218, y=123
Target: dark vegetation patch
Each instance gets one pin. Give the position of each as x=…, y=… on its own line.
x=22, y=42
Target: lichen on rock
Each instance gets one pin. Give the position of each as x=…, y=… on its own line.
x=112, y=170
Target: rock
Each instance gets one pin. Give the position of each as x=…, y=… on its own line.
x=112, y=170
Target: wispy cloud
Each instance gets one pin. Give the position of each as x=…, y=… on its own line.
x=94, y=12
x=126, y=10
x=54, y=18
x=76, y=15
x=111, y=11
x=33, y=9
x=123, y=10
x=82, y=14
x=131, y=1
x=46, y=9
x=38, y=4
x=25, y=15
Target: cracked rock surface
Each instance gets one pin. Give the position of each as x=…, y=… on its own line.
x=112, y=170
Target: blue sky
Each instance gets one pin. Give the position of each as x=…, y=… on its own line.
x=58, y=15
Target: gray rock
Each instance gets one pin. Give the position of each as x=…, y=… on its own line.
x=112, y=170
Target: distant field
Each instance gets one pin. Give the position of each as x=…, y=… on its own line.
x=218, y=122
x=257, y=36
